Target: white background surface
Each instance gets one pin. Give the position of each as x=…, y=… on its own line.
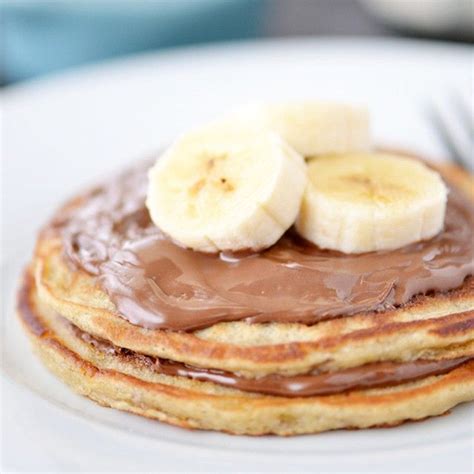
x=61, y=133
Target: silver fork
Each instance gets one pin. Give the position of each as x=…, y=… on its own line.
x=454, y=123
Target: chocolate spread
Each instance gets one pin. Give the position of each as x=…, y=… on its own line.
x=377, y=374
x=154, y=283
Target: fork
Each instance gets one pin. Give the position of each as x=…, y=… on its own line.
x=454, y=124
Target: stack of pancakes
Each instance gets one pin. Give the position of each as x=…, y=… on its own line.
x=89, y=304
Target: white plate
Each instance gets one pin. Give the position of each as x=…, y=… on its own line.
x=61, y=133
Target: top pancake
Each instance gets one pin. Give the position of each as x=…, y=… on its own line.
x=424, y=326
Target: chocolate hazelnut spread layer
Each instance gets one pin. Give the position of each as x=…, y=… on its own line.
x=155, y=283
x=377, y=374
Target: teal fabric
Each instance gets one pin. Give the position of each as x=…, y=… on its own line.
x=44, y=36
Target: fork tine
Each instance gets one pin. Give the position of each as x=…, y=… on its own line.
x=461, y=154
x=464, y=112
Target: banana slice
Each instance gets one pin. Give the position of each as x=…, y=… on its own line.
x=311, y=128
x=365, y=202
x=226, y=193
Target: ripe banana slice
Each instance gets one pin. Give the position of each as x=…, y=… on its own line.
x=226, y=192
x=311, y=128
x=358, y=203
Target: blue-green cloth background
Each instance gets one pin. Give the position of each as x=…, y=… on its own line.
x=41, y=36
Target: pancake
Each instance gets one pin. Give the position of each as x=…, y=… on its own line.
x=391, y=356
